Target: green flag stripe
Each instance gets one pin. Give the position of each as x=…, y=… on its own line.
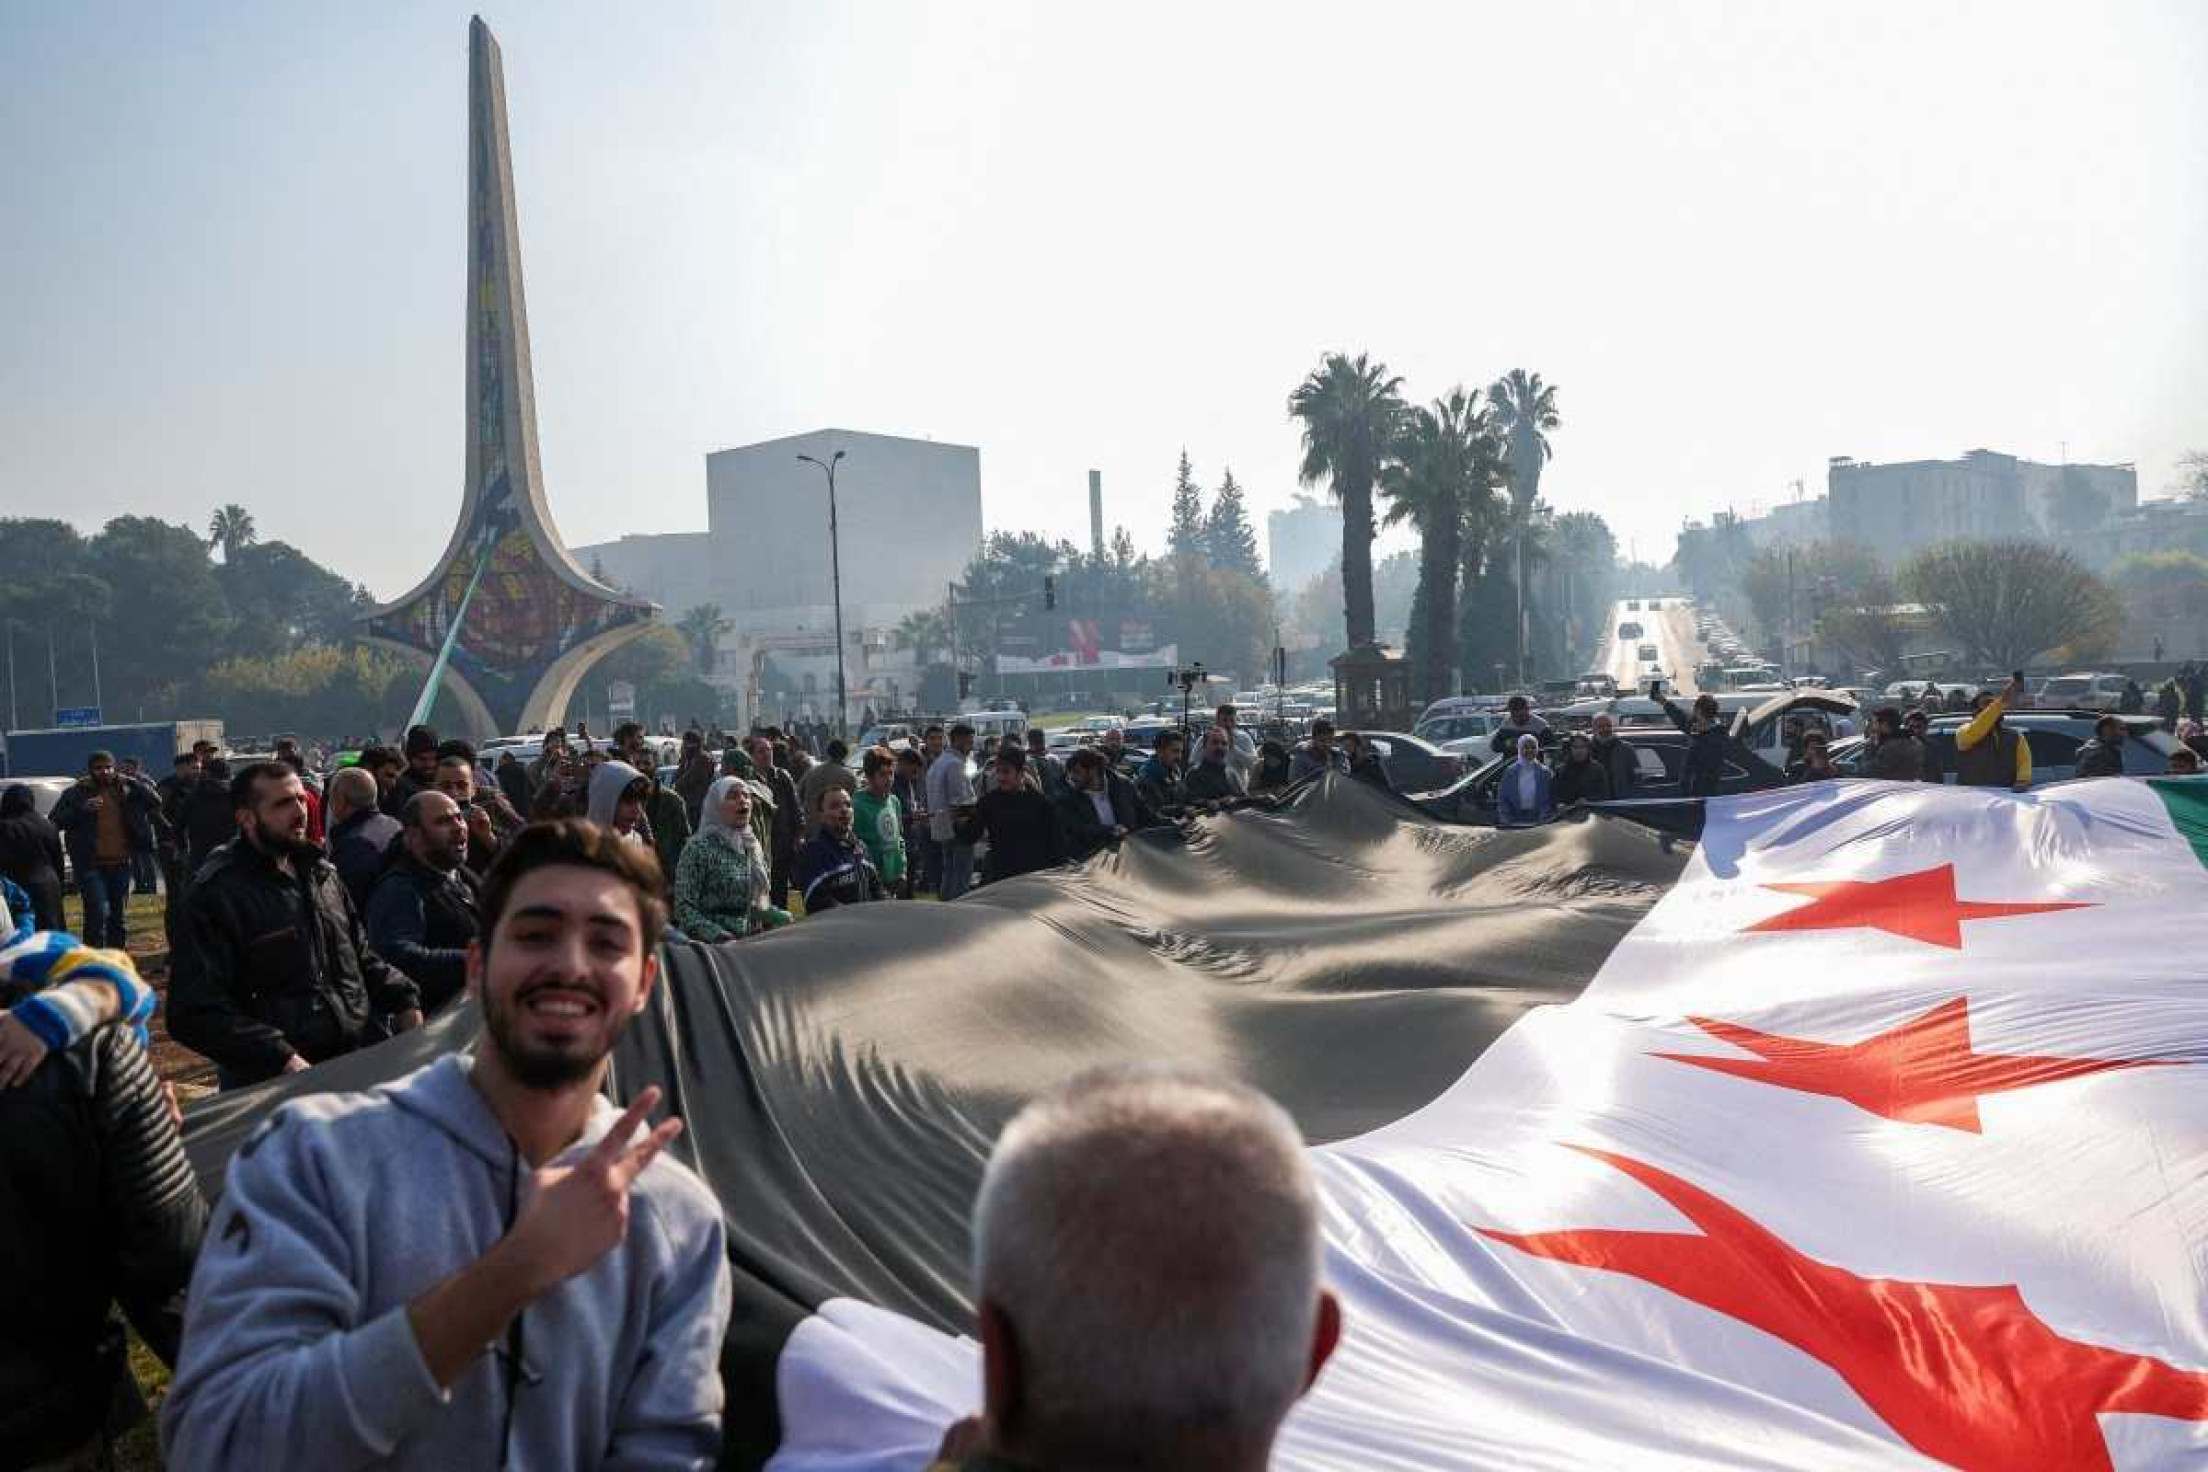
x=2187, y=800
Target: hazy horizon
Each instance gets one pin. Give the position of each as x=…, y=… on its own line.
x=1738, y=240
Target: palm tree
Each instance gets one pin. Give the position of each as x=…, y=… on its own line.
x=701, y=626
x=1525, y=409
x=923, y=631
x=1350, y=408
x=1440, y=476
x=231, y=529
x=1587, y=552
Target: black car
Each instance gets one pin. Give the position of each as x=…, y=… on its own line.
x=1414, y=764
x=2054, y=737
x=1661, y=756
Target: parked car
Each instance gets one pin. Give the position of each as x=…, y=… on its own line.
x=2082, y=692
x=1412, y=763
x=2053, y=737
x=1660, y=758
x=1445, y=730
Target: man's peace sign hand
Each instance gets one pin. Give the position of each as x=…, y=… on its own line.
x=576, y=1214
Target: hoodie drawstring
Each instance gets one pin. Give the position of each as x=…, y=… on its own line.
x=513, y=1330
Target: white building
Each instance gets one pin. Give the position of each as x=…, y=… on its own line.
x=1301, y=542
x=909, y=520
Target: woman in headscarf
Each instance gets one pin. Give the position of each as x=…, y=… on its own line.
x=721, y=879
x=30, y=854
x=1524, y=796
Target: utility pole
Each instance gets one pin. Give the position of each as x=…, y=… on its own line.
x=13, y=723
x=835, y=574
x=95, y=628
x=53, y=679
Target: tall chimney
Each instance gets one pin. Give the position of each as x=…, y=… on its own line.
x=1096, y=514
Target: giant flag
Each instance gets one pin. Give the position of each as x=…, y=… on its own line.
x=1864, y=1132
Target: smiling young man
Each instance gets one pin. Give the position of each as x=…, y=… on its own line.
x=481, y=1264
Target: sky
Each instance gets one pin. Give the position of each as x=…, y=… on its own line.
x=1739, y=238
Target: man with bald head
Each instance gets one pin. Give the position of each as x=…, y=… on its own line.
x=359, y=833
x=423, y=915
x=1146, y=1262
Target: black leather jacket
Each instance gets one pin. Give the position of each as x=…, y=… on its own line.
x=271, y=964
x=97, y=1203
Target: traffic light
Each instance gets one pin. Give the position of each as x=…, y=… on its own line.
x=1050, y=591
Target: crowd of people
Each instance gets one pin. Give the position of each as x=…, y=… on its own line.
x=450, y=1271
x=486, y=1263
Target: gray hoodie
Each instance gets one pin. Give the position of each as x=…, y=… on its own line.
x=344, y=1207
x=607, y=782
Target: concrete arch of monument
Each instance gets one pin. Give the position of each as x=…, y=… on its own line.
x=475, y=712
x=547, y=702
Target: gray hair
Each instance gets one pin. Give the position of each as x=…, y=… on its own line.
x=1153, y=1237
x=353, y=786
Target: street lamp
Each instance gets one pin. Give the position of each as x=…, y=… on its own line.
x=835, y=575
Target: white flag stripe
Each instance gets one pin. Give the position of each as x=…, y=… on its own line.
x=2088, y=1193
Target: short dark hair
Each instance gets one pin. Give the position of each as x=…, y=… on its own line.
x=95, y=758
x=1887, y=715
x=908, y=755
x=420, y=738
x=1174, y=736
x=930, y=729
x=693, y=737
x=875, y=760
x=244, y=780
x=456, y=746
x=1322, y=727
x=837, y=751
x=1013, y=756
x=577, y=844
x=625, y=730
x=1516, y=702
x=373, y=757
x=1084, y=757
x=1037, y=739
x=961, y=728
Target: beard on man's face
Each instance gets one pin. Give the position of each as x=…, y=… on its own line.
x=277, y=846
x=544, y=1063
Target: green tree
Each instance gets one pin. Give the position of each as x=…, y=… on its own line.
x=1786, y=586
x=1525, y=411
x=1349, y=409
x=1442, y=471
x=1586, y=565
x=2009, y=602
x=1184, y=530
x=701, y=627
x=1229, y=540
x=923, y=631
x=279, y=599
x=231, y=529
x=169, y=619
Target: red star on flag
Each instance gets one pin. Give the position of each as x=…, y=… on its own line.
x=1969, y=1376
x=1922, y=1072
x=1920, y=906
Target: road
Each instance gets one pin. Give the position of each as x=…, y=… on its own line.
x=1671, y=630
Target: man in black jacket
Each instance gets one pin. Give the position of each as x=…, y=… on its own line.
x=1100, y=806
x=97, y=1205
x=1615, y=756
x=275, y=972
x=2103, y=756
x=423, y=914
x=1707, y=741
x=1580, y=778
x=360, y=833
x=1018, y=821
